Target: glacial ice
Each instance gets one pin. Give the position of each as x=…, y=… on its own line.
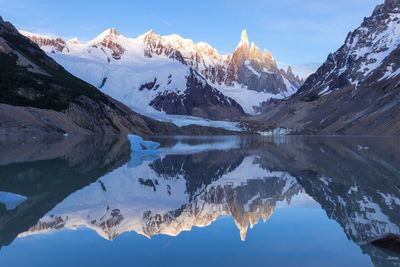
x=11, y=200
x=139, y=145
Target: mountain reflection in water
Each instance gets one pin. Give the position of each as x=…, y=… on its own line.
x=191, y=182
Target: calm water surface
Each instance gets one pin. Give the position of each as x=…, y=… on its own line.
x=209, y=201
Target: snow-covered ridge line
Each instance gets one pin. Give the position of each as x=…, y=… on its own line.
x=154, y=74
x=187, y=45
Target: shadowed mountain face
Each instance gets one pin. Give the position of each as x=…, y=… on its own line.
x=193, y=182
x=356, y=91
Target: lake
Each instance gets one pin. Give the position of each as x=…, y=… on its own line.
x=199, y=201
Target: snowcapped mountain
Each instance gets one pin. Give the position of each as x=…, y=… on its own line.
x=173, y=75
x=356, y=90
x=38, y=97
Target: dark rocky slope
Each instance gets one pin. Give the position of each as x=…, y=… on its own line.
x=356, y=91
x=199, y=100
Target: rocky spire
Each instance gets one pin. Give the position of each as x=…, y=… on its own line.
x=289, y=70
x=267, y=55
x=268, y=60
x=244, y=40
x=254, y=51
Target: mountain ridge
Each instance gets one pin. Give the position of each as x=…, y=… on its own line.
x=39, y=97
x=246, y=71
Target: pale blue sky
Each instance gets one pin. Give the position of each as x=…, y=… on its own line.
x=295, y=31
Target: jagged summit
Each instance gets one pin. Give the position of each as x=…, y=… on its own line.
x=244, y=39
x=52, y=44
x=112, y=40
x=289, y=70
x=388, y=6
x=392, y=3
x=111, y=32
x=148, y=33
x=259, y=71
x=251, y=52
x=74, y=41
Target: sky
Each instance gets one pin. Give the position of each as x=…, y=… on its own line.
x=295, y=31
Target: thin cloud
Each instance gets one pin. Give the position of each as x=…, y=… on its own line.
x=169, y=25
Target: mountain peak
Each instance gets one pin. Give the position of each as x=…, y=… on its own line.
x=388, y=6
x=74, y=40
x=289, y=70
x=150, y=32
x=267, y=56
x=112, y=31
x=112, y=40
x=244, y=40
x=148, y=36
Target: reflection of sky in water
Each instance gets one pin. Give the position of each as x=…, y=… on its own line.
x=292, y=237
